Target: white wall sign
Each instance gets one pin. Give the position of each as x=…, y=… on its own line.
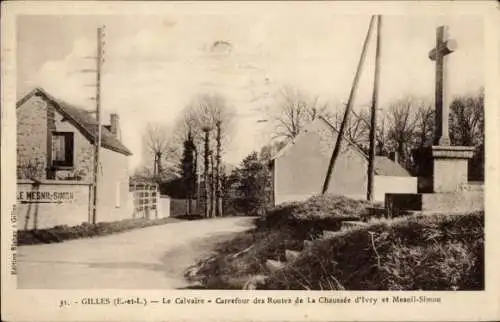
x=45, y=196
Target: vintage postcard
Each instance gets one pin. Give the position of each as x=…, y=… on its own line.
x=260, y=161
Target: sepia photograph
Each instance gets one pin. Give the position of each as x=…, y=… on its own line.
x=249, y=150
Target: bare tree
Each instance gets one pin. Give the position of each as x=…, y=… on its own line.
x=401, y=124
x=294, y=110
x=467, y=129
x=206, y=153
x=357, y=127
x=467, y=120
x=156, y=140
x=210, y=114
x=409, y=124
x=424, y=118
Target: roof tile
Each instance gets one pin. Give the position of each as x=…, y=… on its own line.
x=83, y=120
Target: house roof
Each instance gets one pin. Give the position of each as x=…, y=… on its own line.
x=386, y=167
x=82, y=120
x=383, y=165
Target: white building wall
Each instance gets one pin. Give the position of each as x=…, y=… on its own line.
x=113, y=190
x=164, y=207
x=390, y=184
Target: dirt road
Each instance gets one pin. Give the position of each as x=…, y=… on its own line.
x=148, y=258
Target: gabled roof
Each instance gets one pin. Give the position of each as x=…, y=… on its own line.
x=81, y=119
x=383, y=165
x=386, y=167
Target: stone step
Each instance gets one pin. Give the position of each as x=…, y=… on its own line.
x=274, y=266
x=291, y=255
x=411, y=212
x=377, y=212
x=352, y=224
x=329, y=234
x=255, y=282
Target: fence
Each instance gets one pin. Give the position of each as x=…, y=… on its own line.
x=146, y=200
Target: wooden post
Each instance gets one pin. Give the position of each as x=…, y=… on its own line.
x=97, y=142
x=340, y=136
x=373, y=123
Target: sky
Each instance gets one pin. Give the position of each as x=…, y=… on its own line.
x=155, y=65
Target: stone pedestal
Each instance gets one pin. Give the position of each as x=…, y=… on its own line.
x=450, y=166
x=442, y=168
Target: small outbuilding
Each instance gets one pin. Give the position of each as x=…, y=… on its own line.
x=299, y=169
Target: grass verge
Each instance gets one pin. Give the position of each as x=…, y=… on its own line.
x=236, y=260
x=283, y=227
x=61, y=233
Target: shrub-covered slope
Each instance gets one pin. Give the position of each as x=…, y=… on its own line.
x=428, y=252
x=283, y=227
x=425, y=252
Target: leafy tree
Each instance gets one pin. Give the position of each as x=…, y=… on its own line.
x=250, y=185
x=189, y=170
x=269, y=150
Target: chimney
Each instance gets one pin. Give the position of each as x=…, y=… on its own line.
x=114, y=121
x=393, y=155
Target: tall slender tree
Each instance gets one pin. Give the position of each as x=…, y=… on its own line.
x=218, y=185
x=189, y=171
x=206, y=172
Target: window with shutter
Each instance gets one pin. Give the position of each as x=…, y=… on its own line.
x=62, y=149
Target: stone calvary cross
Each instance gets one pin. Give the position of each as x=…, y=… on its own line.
x=443, y=168
x=438, y=54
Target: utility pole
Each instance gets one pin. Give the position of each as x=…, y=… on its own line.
x=99, y=62
x=373, y=123
x=348, y=108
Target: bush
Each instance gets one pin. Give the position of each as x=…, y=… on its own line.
x=318, y=213
x=283, y=227
x=426, y=252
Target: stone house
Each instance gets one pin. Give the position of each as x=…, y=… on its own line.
x=299, y=169
x=55, y=146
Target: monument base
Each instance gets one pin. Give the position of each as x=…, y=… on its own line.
x=400, y=204
x=443, y=168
